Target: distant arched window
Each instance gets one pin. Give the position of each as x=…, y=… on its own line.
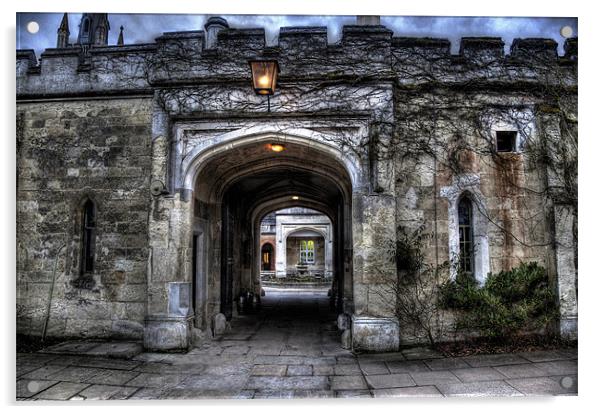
x=86, y=25
x=88, y=237
x=466, y=235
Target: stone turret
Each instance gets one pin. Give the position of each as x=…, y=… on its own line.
x=213, y=26
x=94, y=29
x=62, y=37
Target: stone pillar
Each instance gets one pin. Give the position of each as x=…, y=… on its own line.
x=565, y=270
x=169, y=311
x=280, y=250
x=373, y=325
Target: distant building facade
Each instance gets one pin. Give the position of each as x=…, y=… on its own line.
x=296, y=242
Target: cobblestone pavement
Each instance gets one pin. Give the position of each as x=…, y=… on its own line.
x=291, y=350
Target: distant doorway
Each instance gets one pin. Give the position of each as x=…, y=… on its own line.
x=267, y=257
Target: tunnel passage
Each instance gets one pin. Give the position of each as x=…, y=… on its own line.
x=234, y=190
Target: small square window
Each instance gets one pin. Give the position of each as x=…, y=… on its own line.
x=505, y=141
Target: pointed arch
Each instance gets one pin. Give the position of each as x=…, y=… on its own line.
x=467, y=203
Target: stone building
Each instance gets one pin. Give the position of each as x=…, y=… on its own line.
x=144, y=171
x=296, y=241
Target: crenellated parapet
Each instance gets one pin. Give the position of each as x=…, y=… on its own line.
x=220, y=54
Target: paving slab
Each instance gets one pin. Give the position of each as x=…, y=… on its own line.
x=23, y=369
x=71, y=347
x=390, y=381
x=36, y=358
x=287, y=383
x=75, y=374
x=213, y=382
x=543, y=356
x=557, y=385
x=323, y=369
x=353, y=394
x=386, y=356
x=348, y=382
x=147, y=394
x=113, y=377
x=347, y=369
x=27, y=388
x=422, y=391
x=479, y=389
x=374, y=367
x=566, y=367
x=569, y=352
x=446, y=364
x=434, y=378
x=309, y=394
x=477, y=361
x=269, y=370
x=146, y=379
x=225, y=369
x=272, y=394
x=478, y=374
x=44, y=372
x=294, y=370
x=123, y=350
x=520, y=371
x=61, y=391
x=402, y=367
x=105, y=392
x=108, y=363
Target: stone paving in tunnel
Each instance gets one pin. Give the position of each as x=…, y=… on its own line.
x=291, y=349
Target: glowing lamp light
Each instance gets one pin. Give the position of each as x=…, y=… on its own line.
x=277, y=147
x=295, y=197
x=265, y=75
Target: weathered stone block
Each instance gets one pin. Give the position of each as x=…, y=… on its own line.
x=162, y=333
x=374, y=334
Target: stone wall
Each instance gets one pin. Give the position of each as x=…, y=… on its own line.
x=68, y=152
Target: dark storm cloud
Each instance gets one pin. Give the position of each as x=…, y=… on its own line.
x=144, y=28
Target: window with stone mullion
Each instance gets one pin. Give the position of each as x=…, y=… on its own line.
x=466, y=236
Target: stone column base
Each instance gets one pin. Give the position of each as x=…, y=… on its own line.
x=568, y=327
x=168, y=333
x=374, y=334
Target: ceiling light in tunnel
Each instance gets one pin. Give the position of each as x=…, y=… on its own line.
x=277, y=147
x=295, y=197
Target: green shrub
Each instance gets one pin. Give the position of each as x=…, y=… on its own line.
x=508, y=303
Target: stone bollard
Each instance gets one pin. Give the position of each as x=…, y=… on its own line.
x=346, y=339
x=219, y=324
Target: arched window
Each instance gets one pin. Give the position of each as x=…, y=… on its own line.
x=466, y=236
x=86, y=25
x=88, y=236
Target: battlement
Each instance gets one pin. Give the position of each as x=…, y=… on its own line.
x=221, y=53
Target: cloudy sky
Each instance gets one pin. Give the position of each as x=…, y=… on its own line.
x=144, y=28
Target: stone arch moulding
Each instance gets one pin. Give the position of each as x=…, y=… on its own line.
x=468, y=184
x=192, y=162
